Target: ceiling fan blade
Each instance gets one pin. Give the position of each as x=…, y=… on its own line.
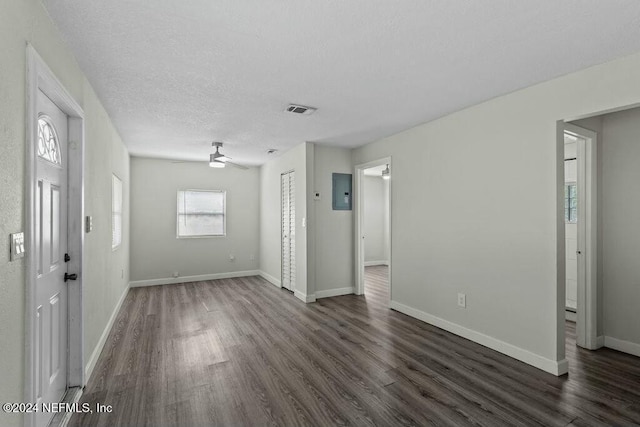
x=187, y=161
x=235, y=165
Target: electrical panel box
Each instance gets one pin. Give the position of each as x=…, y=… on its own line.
x=342, y=192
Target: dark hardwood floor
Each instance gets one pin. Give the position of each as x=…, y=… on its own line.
x=242, y=352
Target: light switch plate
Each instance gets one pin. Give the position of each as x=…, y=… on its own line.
x=17, y=246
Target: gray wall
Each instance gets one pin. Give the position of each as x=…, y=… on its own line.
x=107, y=271
x=457, y=229
x=334, y=229
x=620, y=213
x=156, y=252
x=376, y=229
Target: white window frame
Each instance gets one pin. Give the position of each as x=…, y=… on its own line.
x=202, y=236
x=116, y=215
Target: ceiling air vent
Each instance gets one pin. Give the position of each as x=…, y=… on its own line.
x=299, y=109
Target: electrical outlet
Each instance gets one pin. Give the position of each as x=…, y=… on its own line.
x=176, y=274
x=462, y=300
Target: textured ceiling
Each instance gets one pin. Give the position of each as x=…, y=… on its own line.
x=175, y=75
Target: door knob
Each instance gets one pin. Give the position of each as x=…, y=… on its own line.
x=68, y=277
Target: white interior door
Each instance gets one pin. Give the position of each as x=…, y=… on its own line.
x=571, y=222
x=50, y=249
x=288, y=230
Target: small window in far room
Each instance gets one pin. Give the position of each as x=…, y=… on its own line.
x=201, y=213
x=570, y=203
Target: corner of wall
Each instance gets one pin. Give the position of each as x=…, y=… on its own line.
x=311, y=219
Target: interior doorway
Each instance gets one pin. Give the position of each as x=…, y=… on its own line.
x=373, y=229
x=579, y=220
x=608, y=239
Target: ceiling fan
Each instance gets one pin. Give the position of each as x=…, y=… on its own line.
x=219, y=160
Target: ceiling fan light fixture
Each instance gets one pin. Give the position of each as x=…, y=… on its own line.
x=220, y=157
x=386, y=174
x=215, y=162
x=217, y=155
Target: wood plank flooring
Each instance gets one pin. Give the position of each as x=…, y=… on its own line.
x=240, y=351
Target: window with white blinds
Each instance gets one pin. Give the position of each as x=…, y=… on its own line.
x=201, y=213
x=116, y=212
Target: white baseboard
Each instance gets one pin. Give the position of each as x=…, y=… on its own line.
x=304, y=297
x=372, y=263
x=187, y=279
x=570, y=316
x=600, y=341
x=335, y=292
x=554, y=367
x=621, y=345
x=91, y=363
x=269, y=278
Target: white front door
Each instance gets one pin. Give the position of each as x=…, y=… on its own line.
x=50, y=249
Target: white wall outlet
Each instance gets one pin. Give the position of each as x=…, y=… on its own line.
x=232, y=257
x=462, y=300
x=88, y=224
x=176, y=274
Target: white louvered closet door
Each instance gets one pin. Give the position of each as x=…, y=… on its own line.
x=288, y=230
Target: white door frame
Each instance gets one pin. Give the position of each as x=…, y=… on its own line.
x=40, y=77
x=587, y=304
x=358, y=208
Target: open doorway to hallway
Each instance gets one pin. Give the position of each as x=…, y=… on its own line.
x=607, y=148
x=376, y=227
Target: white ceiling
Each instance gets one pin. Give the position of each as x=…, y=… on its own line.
x=176, y=74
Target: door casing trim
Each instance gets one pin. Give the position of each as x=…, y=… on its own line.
x=40, y=77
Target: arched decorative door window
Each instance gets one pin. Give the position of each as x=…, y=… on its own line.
x=48, y=145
